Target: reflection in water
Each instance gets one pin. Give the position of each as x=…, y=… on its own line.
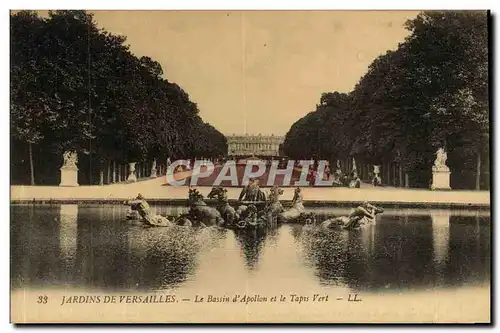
x=368, y=240
x=94, y=247
x=469, y=250
x=404, y=252
x=34, y=245
x=99, y=249
x=68, y=219
x=440, y=236
x=297, y=229
x=251, y=242
x=398, y=252
x=169, y=259
x=327, y=252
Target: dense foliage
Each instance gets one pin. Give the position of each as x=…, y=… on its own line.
x=77, y=87
x=431, y=92
x=322, y=133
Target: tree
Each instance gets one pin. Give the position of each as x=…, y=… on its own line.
x=77, y=87
x=455, y=45
x=29, y=108
x=431, y=91
x=321, y=133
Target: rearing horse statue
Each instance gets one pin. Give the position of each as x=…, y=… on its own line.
x=227, y=212
x=273, y=205
x=201, y=212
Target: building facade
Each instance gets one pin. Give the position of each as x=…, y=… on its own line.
x=258, y=145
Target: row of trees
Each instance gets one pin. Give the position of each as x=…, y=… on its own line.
x=77, y=87
x=431, y=92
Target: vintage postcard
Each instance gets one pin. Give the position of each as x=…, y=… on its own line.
x=250, y=167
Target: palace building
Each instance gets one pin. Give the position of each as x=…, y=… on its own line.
x=258, y=145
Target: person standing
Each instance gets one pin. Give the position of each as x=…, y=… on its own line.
x=327, y=172
x=247, y=192
x=169, y=163
x=312, y=177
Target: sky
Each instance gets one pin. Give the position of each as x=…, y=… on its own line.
x=259, y=71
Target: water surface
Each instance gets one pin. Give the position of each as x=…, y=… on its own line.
x=91, y=247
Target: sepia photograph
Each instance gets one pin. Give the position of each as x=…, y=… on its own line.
x=250, y=166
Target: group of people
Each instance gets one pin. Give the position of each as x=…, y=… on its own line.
x=313, y=173
x=350, y=180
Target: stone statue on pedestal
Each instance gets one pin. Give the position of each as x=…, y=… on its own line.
x=69, y=170
x=70, y=159
x=376, y=181
x=440, y=172
x=440, y=162
x=131, y=172
x=153, y=169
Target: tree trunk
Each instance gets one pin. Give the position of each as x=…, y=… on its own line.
x=400, y=175
x=388, y=174
x=101, y=176
x=119, y=172
x=108, y=173
x=32, y=169
x=383, y=174
x=114, y=172
x=395, y=174
x=478, y=171
x=407, y=180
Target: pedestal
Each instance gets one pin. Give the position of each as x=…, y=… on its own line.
x=69, y=176
x=377, y=180
x=153, y=169
x=440, y=180
x=131, y=176
x=153, y=173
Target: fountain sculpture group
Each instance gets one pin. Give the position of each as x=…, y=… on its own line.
x=251, y=214
x=266, y=212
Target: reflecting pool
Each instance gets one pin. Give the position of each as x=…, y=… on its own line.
x=92, y=247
